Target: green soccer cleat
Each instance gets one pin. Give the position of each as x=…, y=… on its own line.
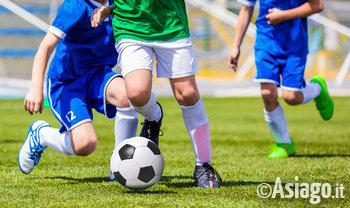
x=324, y=102
x=281, y=150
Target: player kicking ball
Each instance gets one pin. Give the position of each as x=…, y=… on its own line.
x=150, y=29
x=281, y=48
x=80, y=78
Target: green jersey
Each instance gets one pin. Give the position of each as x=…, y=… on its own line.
x=150, y=20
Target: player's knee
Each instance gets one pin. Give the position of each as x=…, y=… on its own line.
x=139, y=97
x=121, y=99
x=291, y=99
x=188, y=96
x=86, y=146
x=268, y=94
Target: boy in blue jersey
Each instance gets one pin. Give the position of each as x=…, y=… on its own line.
x=281, y=48
x=80, y=78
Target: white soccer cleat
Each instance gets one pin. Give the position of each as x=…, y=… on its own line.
x=31, y=151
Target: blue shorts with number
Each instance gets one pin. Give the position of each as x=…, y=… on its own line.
x=274, y=69
x=72, y=101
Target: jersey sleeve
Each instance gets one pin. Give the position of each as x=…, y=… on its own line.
x=250, y=3
x=69, y=14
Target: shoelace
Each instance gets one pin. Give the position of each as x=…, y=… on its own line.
x=149, y=129
x=36, y=154
x=208, y=169
x=36, y=148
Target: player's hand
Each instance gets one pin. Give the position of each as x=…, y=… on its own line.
x=275, y=16
x=99, y=15
x=232, y=60
x=33, y=102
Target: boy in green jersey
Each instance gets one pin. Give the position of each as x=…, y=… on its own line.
x=156, y=28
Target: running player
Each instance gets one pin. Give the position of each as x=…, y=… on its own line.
x=281, y=48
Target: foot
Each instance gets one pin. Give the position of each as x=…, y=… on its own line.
x=31, y=150
x=324, y=102
x=151, y=129
x=111, y=176
x=281, y=150
x=205, y=176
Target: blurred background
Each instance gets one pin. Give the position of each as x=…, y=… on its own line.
x=212, y=23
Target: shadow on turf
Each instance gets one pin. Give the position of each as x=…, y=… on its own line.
x=322, y=156
x=11, y=141
x=168, y=181
x=81, y=180
x=149, y=192
x=244, y=183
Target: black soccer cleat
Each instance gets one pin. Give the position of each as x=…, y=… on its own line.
x=205, y=176
x=151, y=129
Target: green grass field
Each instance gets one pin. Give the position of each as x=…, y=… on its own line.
x=240, y=144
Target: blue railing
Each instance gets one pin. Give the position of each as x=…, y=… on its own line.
x=17, y=31
x=17, y=53
x=31, y=9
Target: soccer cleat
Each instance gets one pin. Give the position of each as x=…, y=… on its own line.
x=31, y=150
x=281, y=150
x=205, y=176
x=111, y=176
x=151, y=129
x=324, y=102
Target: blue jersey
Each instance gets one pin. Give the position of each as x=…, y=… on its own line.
x=287, y=37
x=81, y=47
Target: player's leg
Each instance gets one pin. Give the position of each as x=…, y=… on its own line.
x=84, y=139
x=138, y=87
x=136, y=63
x=197, y=125
x=175, y=60
x=274, y=114
x=292, y=97
x=296, y=92
x=268, y=75
x=79, y=141
x=67, y=102
x=126, y=118
x=277, y=123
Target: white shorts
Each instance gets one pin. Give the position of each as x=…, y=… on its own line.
x=175, y=59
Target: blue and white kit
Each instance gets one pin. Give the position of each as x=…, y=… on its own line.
x=280, y=50
x=82, y=66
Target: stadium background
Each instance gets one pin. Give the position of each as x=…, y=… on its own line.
x=212, y=31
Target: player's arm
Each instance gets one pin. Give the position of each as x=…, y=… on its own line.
x=33, y=101
x=100, y=14
x=244, y=18
x=276, y=16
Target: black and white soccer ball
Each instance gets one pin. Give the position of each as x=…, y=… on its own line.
x=137, y=163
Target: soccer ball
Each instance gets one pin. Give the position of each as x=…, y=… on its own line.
x=137, y=163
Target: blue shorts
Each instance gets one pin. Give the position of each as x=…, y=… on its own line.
x=72, y=102
x=271, y=69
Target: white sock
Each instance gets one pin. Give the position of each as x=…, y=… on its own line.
x=197, y=125
x=278, y=125
x=125, y=126
x=51, y=137
x=151, y=111
x=311, y=91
